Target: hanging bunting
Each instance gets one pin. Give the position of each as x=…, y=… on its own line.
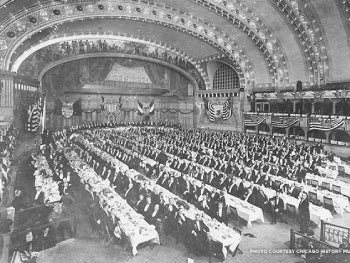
x=216, y=112
x=34, y=113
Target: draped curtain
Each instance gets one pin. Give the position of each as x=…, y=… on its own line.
x=154, y=72
x=73, y=75
x=178, y=83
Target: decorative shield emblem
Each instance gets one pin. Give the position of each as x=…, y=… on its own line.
x=67, y=109
x=218, y=110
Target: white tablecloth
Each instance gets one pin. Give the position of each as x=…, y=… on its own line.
x=46, y=182
x=344, y=187
x=219, y=232
x=131, y=223
x=317, y=213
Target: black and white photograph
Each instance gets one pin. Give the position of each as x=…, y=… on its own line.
x=174, y=131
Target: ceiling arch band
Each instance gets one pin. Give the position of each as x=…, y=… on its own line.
x=244, y=19
x=60, y=39
x=32, y=21
x=309, y=36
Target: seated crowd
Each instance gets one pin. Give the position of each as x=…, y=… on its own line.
x=217, y=159
x=8, y=140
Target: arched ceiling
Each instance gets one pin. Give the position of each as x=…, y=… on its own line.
x=275, y=42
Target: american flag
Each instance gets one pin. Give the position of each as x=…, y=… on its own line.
x=34, y=115
x=284, y=122
x=253, y=121
x=227, y=109
x=209, y=109
x=325, y=124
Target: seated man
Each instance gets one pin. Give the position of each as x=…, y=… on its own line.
x=154, y=217
x=221, y=213
x=170, y=212
x=276, y=207
x=199, y=239
x=182, y=227
x=147, y=207
x=261, y=199
x=139, y=203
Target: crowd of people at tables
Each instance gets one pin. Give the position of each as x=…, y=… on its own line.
x=212, y=203
x=167, y=217
x=225, y=153
x=224, y=181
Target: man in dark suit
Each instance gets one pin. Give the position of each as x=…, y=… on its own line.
x=276, y=207
x=147, y=207
x=201, y=191
x=139, y=203
x=185, y=188
x=304, y=213
x=261, y=199
x=170, y=212
x=154, y=216
x=182, y=227
x=199, y=240
x=221, y=213
x=171, y=184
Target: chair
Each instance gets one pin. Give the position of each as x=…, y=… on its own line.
x=336, y=189
x=314, y=183
x=328, y=203
x=313, y=198
x=326, y=186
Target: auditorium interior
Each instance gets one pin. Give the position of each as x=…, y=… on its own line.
x=174, y=131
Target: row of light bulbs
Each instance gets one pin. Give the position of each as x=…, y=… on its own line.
x=262, y=35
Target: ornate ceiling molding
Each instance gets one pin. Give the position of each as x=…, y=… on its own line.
x=26, y=23
x=238, y=14
x=60, y=39
x=309, y=36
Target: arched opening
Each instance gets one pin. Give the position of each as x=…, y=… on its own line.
x=278, y=131
x=263, y=128
x=317, y=135
x=225, y=77
x=324, y=108
x=339, y=137
x=296, y=131
x=250, y=129
x=303, y=107
x=343, y=107
x=285, y=106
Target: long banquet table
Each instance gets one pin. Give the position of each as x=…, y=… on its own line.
x=251, y=213
x=218, y=232
x=344, y=187
x=44, y=178
x=132, y=224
